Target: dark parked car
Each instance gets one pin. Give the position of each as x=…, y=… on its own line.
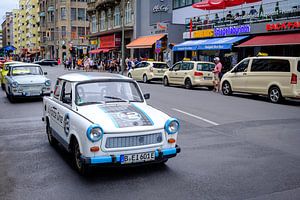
x=46, y=62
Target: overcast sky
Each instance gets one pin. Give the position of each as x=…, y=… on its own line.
x=7, y=6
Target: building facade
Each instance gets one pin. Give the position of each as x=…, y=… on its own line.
x=63, y=28
x=32, y=27
x=7, y=29
x=16, y=29
x=106, y=26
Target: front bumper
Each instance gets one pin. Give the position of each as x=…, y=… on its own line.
x=160, y=155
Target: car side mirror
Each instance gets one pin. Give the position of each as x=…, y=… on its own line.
x=171, y=69
x=147, y=96
x=45, y=73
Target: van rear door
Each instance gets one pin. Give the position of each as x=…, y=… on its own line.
x=204, y=73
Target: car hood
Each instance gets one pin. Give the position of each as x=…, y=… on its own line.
x=125, y=117
x=30, y=79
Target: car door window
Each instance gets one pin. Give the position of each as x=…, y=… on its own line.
x=242, y=67
x=66, y=93
x=57, y=89
x=205, y=67
x=176, y=66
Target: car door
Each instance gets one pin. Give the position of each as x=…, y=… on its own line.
x=183, y=72
x=173, y=73
x=238, y=76
x=135, y=70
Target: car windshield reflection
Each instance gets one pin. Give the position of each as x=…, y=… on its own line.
x=30, y=70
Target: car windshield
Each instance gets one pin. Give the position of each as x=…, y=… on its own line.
x=205, y=67
x=107, y=92
x=26, y=70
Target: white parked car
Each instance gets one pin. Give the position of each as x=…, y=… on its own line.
x=26, y=80
x=104, y=119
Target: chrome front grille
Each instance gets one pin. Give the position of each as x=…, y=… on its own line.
x=31, y=87
x=132, y=141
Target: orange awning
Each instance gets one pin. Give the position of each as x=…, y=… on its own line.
x=144, y=42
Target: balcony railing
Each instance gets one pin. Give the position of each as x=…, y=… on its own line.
x=285, y=9
x=105, y=3
x=91, y=6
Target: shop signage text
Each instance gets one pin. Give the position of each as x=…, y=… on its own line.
x=160, y=8
x=203, y=33
x=283, y=26
x=232, y=30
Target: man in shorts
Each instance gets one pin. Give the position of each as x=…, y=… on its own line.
x=217, y=71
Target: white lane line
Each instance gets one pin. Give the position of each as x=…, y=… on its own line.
x=197, y=117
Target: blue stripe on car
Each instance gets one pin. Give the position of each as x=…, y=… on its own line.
x=144, y=113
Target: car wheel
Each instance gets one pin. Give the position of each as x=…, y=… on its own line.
x=226, y=89
x=2, y=86
x=166, y=81
x=188, y=84
x=275, y=95
x=10, y=96
x=129, y=75
x=51, y=139
x=145, y=78
x=80, y=166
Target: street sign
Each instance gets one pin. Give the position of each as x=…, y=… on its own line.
x=158, y=46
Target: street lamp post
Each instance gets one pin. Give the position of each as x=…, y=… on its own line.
x=123, y=38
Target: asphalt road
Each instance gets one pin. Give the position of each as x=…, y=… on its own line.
x=238, y=147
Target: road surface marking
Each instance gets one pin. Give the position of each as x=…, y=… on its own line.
x=197, y=117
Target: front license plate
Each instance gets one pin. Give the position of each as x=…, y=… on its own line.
x=207, y=78
x=32, y=93
x=137, y=157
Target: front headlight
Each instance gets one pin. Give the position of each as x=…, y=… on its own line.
x=172, y=126
x=94, y=133
x=48, y=83
x=14, y=85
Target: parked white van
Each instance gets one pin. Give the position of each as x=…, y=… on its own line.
x=276, y=77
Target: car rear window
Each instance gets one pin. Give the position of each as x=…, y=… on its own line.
x=160, y=65
x=205, y=67
x=271, y=65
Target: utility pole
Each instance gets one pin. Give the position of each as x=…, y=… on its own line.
x=123, y=38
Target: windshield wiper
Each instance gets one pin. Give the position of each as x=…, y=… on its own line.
x=91, y=102
x=117, y=98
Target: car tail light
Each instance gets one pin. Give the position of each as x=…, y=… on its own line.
x=294, y=79
x=198, y=74
x=151, y=69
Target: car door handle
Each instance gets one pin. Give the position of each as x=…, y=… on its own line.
x=244, y=73
x=54, y=108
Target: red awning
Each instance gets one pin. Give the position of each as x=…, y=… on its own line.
x=220, y=4
x=97, y=51
x=273, y=40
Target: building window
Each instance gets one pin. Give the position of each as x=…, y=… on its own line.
x=128, y=16
x=183, y=3
x=73, y=32
x=94, y=24
x=73, y=14
x=109, y=19
x=63, y=13
x=81, y=31
x=117, y=17
x=81, y=14
x=102, y=21
x=63, y=31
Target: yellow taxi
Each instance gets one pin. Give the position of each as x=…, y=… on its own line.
x=190, y=74
x=4, y=71
x=147, y=71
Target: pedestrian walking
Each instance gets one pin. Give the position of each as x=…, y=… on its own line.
x=217, y=73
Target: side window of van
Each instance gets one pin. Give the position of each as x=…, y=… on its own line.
x=242, y=66
x=273, y=65
x=205, y=67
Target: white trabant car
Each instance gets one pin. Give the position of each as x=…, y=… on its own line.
x=104, y=119
x=147, y=71
x=25, y=80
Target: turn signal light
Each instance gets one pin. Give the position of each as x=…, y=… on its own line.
x=171, y=140
x=94, y=149
x=294, y=79
x=198, y=74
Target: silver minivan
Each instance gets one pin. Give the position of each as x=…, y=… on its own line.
x=273, y=76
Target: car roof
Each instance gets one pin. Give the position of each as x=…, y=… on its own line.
x=24, y=64
x=12, y=62
x=190, y=61
x=275, y=57
x=79, y=77
x=154, y=61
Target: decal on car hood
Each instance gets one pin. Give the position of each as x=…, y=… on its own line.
x=127, y=115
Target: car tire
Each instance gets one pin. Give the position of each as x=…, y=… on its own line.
x=52, y=141
x=166, y=81
x=2, y=86
x=129, y=75
x=188, y=84
x=274, y=95
x=145, y=79
x=79, y=165
x=10, y=96
x=226, y=89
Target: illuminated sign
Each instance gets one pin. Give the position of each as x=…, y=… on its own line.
x=283, y=26
x=203, y=33
x=232, y=30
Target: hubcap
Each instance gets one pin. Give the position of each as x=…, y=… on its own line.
x=166, y=81
x=145, y=79
x=274, y=95
x=226, y=88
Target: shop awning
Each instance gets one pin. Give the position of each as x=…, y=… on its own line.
x=102, y=50
x=144, y=42
x=272, y=40
x=208, y=44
